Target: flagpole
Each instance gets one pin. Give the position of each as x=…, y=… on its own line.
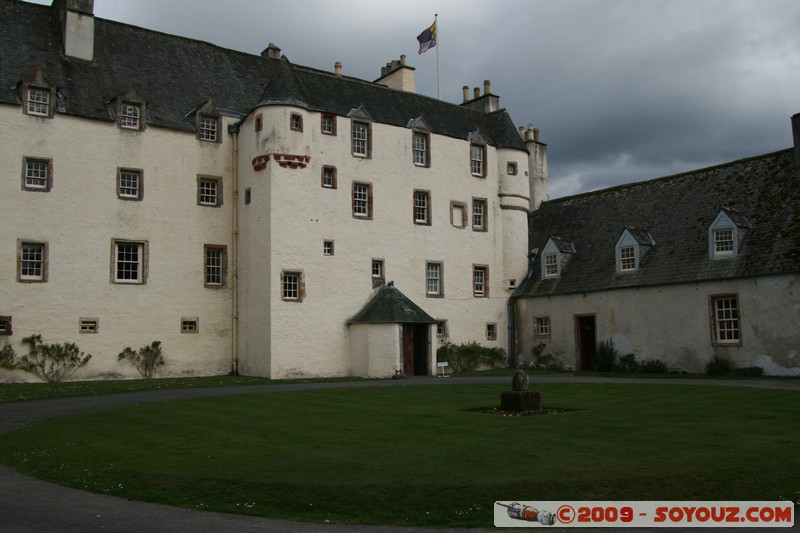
x=436, y=22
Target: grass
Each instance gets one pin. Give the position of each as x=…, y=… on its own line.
x=12, y=392
x=421, y=456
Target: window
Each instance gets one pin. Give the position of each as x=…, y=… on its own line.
x=247, y=196
x=32, y=261
x=215, y=264
x=259, y=122
x=129, y=184
x=37, y=174
x=377, y=268
x=88, y=325
x=433, y=279
x=480, y=279
x=292, y=287
x=129, y=262
x=550, y=265
x=328, y=124
x=362, y=200
x=209, y=191
x=5, y=325
x=422, y=207
x=725, y=311
x=723, y=241
x=190, y=325
x=441, y=328
x=130, y=115
x=491, y=332
x=329, y=177
x=38, y=102
x=477, y=156
x=421, y=142
x=360, y=139
x=542, y=328
x=511, y=168
x=296, y=122
x=627, y=259
x=479, y=214
x=209, y=126
x=327, y=247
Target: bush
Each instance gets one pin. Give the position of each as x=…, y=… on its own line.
x=653, y=366
x=7, y=356
x=719, y=366
x=605, y=356
x=471, y=356
x=542, y=360
x=627, y=363
x=51, y=362
x=749, y=371
x=146, y=360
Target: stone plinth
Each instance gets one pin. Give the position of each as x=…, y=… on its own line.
x=525, y=400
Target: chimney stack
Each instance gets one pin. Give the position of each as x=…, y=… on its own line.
x=77, y=27
x=397, y=75
x=466, y=93
x=487, y=87
x=476, y=92
x=271, y=52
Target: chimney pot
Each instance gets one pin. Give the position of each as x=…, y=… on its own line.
x=403, y=59
x=487, y=87
x=522, y=132
x=476, y=92
x=337, y=67
x=536, y=134
x=466, y=93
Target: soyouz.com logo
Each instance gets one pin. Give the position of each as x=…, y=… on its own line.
x=643, y=514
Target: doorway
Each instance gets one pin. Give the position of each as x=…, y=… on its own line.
x=415, y=349
x=587, y=340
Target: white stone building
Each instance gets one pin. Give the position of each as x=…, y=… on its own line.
x=679, y=269
x=243, y=210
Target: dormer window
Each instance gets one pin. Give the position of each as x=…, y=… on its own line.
x=130, y=115
x=208, y=128
x=421, y=141
x=360, y=132
x=630, y=248
x=38, y=102
x=37, y=95
x=725, y=233
x=477, y=154
x=555, y=256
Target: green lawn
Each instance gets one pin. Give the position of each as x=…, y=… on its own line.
x=421, y=455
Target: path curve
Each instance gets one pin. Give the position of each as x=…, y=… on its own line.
x=28, y=504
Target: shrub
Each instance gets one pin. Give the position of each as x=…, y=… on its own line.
x=471, y=356
x=7, y=356
x=146, y=360
x=605, y=356
x=653, y=366
x=719, y=366
x=749, y=371
x=51, y=362
x=627, y=363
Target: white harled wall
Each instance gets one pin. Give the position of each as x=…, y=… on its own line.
x=296, y=214
x=79, y=218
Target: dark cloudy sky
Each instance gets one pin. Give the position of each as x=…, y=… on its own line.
x=622, y=90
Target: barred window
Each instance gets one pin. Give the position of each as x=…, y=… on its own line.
x=129, y=262
x=32, y=261
x=726, y=319
x=208, y=128
x=422, y=200
x=39, y=102
x=130, y=115
x=550, y=265
x=129, y=184
x=627, y=259
x=209, y=192
x=88, y=325
x=37, y=175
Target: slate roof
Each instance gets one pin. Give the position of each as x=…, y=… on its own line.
x=174, y=74
x=390, y=306
x=760, y=194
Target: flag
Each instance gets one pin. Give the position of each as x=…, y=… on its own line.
x=427, y=39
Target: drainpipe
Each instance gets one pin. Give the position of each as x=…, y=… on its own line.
x=512, y=348
x=233, y=130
